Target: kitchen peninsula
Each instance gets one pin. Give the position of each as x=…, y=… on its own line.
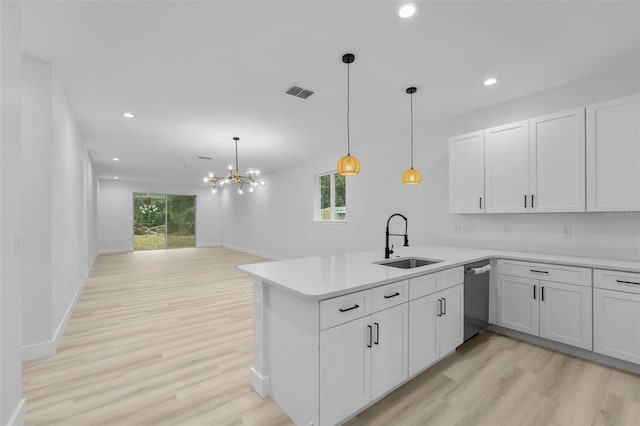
x=334, y=334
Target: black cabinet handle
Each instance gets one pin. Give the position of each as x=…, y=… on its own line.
x=627, y=282
x=377, y=333
x=539, y=271
x=532, y=206
x=542, y=293
x=525, y=201
x=480, y=203
x=393, y=295
x=439, y=307
x=370, y=335
x=534, y=292
x=444, y=306
x=349, y=309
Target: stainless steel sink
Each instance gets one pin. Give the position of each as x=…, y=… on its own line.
x=407, y=262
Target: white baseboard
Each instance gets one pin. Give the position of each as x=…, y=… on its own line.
x=49, y=347
x=90, y=268
x=255, y=252
x=38, y=350
x=115, y=250
x=19, y=414
x=259, y=383
x=209, y=244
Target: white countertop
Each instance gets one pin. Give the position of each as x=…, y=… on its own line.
x=322, y=277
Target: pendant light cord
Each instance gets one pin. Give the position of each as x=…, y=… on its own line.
x=411, y=130
x=348, y=124
x=237, y=167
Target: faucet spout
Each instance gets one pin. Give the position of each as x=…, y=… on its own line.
x=388, y=251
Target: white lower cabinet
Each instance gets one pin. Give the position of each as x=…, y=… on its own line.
x=518, y=304
x=345, y=370
x=361, y=360
x=565, y=314
x=616, y=315
x=435, y=327
x=553, y=310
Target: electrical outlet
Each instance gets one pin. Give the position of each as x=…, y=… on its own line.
x=566, y=230
x=506, y=228
x=458, y=226
x=469, y=227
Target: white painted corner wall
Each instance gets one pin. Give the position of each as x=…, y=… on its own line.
x=278, y=219
x=60, y=244
x=115, y=212
x=12, y=405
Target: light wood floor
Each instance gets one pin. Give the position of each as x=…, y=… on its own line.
x=164, y=337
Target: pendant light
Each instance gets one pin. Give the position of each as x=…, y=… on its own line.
x=349, y=165
x=412, y=176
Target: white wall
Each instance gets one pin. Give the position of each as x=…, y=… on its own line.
x=36, y=208
x=277, y=220
x=59, y=243
x=115, y=212
x=12, y=405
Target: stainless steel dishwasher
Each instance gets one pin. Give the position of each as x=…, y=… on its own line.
x=476, y=298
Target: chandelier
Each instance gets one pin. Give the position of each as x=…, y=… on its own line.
x=248, y=181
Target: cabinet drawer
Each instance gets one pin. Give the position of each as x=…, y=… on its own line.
x=389, y=295
x=451, y=277
x=344, y=308
x=620, y=281
x=546, y=271
x=430, y=283
x=423, y=285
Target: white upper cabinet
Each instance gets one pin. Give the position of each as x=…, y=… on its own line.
x=507, y=168
x=557, y=162
x=466, y=173
x=613, y=155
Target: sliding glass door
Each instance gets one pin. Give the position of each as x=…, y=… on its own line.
x=163, y=221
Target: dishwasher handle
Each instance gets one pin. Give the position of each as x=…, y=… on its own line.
x=477, y=271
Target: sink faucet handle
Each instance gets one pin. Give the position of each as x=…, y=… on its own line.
x=391, y=249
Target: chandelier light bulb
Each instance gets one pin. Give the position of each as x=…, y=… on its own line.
x=251, y=189
x=230, y=167
x=213, y=190
x=240, y=191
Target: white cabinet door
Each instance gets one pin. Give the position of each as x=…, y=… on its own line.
x=616, y=323
x=389, y=356
x=565, y=314
x=452, y=319
x=517, y=304
x=613, y=155
x=345, y=370
x=424, y=339
x=466, y=173
x=557, y=162
x=507, y=168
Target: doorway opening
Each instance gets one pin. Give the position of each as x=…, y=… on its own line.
x=162, y=221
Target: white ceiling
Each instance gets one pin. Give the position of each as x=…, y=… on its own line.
x=198, y=73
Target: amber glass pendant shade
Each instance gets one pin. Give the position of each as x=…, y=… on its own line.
x=348, y=166
x=412, y=177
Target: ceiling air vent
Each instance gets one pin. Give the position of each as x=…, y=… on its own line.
x=299, y=92
x=202, y=157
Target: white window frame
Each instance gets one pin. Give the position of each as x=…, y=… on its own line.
x=317, y=202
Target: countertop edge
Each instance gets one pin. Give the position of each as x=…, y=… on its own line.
x=591, y=263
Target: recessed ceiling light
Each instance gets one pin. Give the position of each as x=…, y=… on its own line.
x=115, y=177
x=407, y=11
x=128, y=114
x=490, y=81
x=115, y=159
